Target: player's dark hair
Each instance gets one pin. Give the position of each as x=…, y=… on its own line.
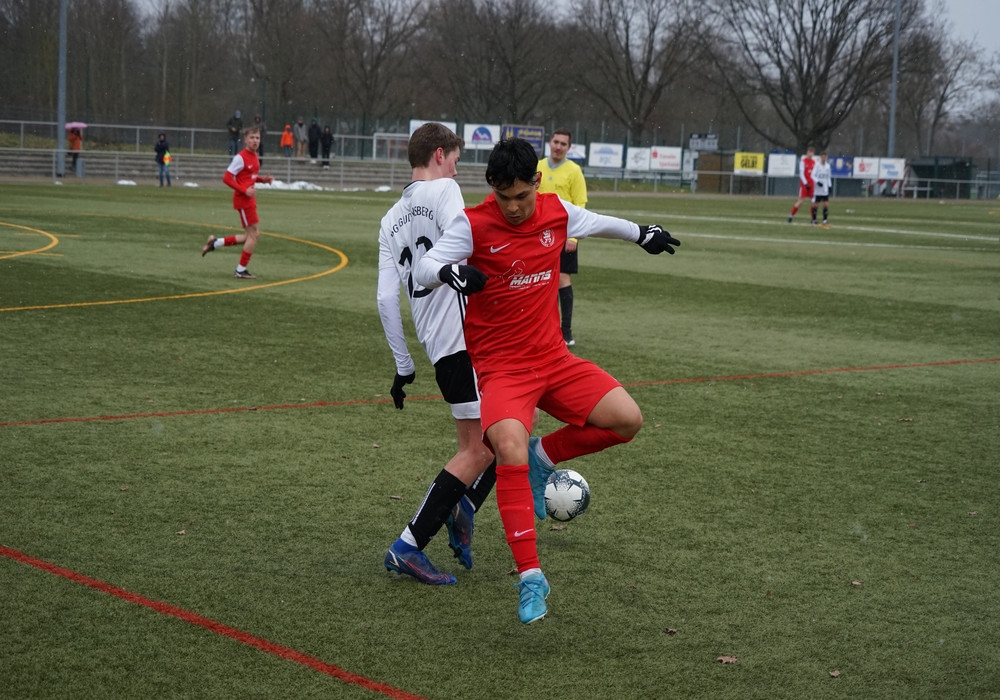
x=429, y=137
x=511, y=160
x=564, y=132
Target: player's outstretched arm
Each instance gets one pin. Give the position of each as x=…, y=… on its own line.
x=654, y=240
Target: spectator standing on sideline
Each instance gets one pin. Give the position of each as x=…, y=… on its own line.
x=504, y=253
x=75, y=138
x=805, y=180
x=235, y=128
x=408, y=230
x=314, y=138
x=242, y=175
x=565, y=178
x=287, y=141
x=822, y=184
x=301, y=132
x=162, y=149
x=326, y=141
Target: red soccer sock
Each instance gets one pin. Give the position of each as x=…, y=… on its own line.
x=794, y=209
x=245, y=258
x=229, y=240
x=572, y=441
x=517, y=512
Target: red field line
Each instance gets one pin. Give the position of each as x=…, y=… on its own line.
x=363, y=402
x=216, y=627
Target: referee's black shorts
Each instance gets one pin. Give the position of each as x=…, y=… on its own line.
x=568, y=262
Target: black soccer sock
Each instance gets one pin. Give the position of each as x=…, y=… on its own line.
x=482, y=486
x=566, y=306
x=812, y=212
x=826, y=211
x=441, y=497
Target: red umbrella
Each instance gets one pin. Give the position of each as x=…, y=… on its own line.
x=75, y=125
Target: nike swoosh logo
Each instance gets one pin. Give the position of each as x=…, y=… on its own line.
x=498, y=248
x=459, y=281
x=521, y=533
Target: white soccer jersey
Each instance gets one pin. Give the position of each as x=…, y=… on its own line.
x=408, y=231
x=822, y=178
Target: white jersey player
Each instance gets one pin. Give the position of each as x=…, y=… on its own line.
x=410, y=229
x=821, y=192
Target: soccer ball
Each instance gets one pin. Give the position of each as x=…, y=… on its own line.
x=567, y=495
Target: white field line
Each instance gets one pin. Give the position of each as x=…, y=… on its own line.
x=859, y=244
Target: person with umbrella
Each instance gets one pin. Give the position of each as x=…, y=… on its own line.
x=75, y=139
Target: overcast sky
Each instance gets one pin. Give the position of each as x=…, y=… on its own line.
x=978, y=20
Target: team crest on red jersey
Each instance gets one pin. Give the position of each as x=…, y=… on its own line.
x=547, y=238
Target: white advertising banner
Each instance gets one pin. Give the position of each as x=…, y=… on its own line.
x=576, y=152
x=638, y=159
x=891, y=168
x=782, y=165
x=606, y=155
x=481, y=137
x=417, y=123
x=866, y=168
x=665, y=158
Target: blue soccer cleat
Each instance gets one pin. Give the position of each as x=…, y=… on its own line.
x=416, y=564
x=538, y=477
x=534, y=591
x=460, y=526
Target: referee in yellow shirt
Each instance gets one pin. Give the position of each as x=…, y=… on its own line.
x=565, y=178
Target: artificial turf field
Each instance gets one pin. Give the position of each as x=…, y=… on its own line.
x=199, y=476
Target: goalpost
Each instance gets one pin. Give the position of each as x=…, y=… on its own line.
x=389, y=146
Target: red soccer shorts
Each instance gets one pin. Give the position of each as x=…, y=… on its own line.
x=805, y=191
x=248, y=216
x=567, y=388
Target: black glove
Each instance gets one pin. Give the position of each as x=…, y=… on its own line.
x=655, y=240
x=464, y=279
x=396, y=392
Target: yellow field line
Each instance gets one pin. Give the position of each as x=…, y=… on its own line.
x=55, y=241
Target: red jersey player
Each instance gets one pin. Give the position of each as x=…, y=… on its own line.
x=805, y=180
x=242, y=174
x=513, y=241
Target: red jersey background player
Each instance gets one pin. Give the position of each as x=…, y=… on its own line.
x=242, y=174
x=805, y=180
x=513, y=241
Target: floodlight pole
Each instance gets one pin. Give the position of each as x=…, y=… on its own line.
x=61, y=92
x=892, y=90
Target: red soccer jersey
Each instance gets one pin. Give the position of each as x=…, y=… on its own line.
x=514, y=321
x=806, y=171
x=241, y=174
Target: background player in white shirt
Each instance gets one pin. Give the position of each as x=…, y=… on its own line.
x=408, y=231
x=823, y=183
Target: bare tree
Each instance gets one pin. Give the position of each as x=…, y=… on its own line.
x=492, y=59
x=369, y=46
x=938, y=74
x=806, y=63
x=635, y=50
x=29, y=36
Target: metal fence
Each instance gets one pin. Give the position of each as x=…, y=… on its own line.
x=391, y=148
x=140, y=138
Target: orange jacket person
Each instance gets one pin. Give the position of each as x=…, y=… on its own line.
x=287, y=141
